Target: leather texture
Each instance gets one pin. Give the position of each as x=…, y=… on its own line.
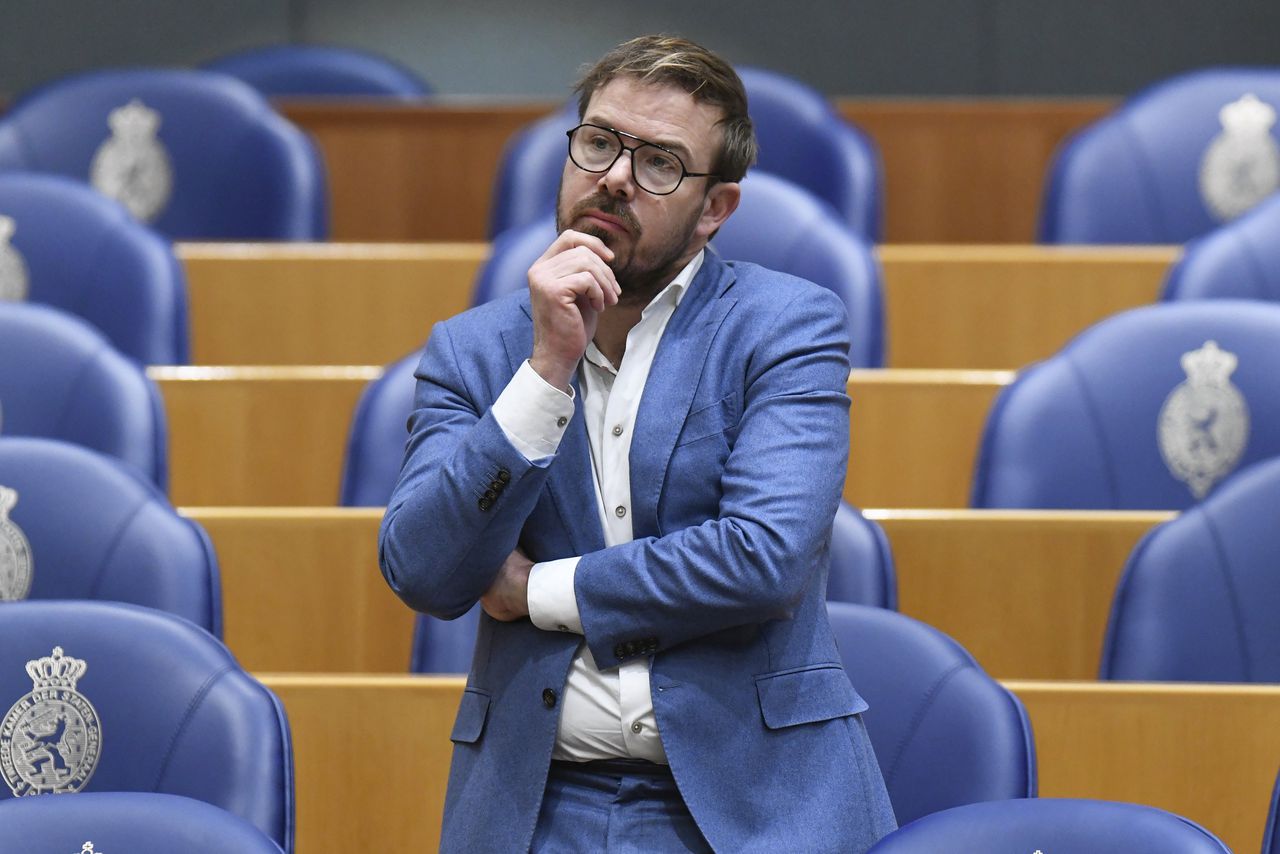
x=802, y=139
x=177, y=713
x=1199, y=594
x=294, y=70
x=61, y=379
x=1057, y=825
x=1240, y=260
x=240, y=170
x=126, y=822
x=98, y=530
x=85, y=254
x=1133, y=176
x=1079, y=431
x=945, y=732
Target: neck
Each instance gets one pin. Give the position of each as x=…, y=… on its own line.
x=612, y=329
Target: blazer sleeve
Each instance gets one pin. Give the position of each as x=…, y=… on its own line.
x=780, y=486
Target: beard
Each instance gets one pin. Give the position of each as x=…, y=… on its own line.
x=641, y=273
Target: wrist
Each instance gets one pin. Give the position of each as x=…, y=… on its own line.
x=555, y=372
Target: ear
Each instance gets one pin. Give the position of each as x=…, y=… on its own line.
x=721, y=201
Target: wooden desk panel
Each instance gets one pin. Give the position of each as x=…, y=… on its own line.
x=349, y=304
x=372, y=753
x=277, y=436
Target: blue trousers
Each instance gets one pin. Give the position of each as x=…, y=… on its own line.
x=614, y=807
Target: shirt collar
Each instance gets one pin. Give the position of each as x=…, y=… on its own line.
x=679, y=285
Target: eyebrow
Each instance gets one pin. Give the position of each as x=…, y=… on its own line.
x=677, y=147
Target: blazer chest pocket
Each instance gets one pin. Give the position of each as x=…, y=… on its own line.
x=472, y=713
x=710, y=420
x=806, y=695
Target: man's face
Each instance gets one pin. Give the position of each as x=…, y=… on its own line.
x=652, y=237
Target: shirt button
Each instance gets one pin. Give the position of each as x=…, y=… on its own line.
x=561, y=421
x=636, y=728
x=619, y=511
x=548, y=698
x=617, y=429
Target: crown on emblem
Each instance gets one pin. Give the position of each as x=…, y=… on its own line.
x=1248, y=115
x=134, y=120
x=8, y=498
x=1209, y=364
x=56, y=671
x=7, y=227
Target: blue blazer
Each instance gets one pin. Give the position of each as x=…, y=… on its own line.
x=738, y=459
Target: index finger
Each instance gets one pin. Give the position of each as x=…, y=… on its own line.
x=569, y=238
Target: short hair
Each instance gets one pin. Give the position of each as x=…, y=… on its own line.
x=673, y=61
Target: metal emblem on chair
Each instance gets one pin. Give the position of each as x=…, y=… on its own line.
x=87, y=848
x=1204, y=423
x=51, y=739
x=1241, y=167
x=132, y=166
x=13, y=270
x=15, y=552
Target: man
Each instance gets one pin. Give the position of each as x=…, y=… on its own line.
x=634, y=468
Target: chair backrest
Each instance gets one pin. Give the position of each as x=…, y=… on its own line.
x=376, y=441
x=126, y=823
x=1147, y=410
x=1240, y=260
x=325, y=70
x=861, y=573
x=1052, y=825
x=65, y=245
x=777, y=225
x=1172, y=163
x=194, y=154
x=944, y=731
x=81, y=525
x=802, y=139
x=61, y=379
x=1199, y=595
x=105, y=697
x=1271, y=837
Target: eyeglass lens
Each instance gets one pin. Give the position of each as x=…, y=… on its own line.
x=596, y=149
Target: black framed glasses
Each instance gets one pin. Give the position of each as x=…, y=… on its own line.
x=656, y=169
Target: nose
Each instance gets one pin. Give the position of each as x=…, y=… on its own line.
x=619, y=179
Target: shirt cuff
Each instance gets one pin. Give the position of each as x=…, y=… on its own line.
x=533, y=414
x=552, y=605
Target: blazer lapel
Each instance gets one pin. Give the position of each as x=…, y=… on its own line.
x=668, y=393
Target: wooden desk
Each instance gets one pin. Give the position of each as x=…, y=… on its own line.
x=372, y=753
x=1027, y=592
x=277, y=436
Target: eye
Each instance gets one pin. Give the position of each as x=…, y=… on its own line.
x=660, y=162
x=601, y=141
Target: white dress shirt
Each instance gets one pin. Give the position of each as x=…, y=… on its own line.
x=604, y=714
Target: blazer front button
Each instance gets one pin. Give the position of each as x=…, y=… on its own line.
x=548, y=698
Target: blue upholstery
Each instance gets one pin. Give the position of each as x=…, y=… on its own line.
x=379, y=431
x=239, y=170
x=944, y=731
x=802, y=139
x=60, y=379
x=120, y=822
x=1199, y=595
x=303, y=70
x=1271, y=838
x=84, y=253
x=1081, y=429
x=1240, y=260
x=98, y=530
x=1055, y=826
x=861, y=572
x=1134, y=176
x=777, y=225
x=176, y=713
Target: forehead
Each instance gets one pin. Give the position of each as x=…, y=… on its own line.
x=658, y=113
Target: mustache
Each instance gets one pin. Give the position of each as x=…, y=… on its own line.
x=610, y=205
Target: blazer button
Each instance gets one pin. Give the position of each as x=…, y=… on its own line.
x=485, y=504
x=504, y=475
x=496, y=486
x=620, y=651
x=548, y=698
x=491, y=494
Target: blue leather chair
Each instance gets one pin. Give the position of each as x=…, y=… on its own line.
x=944, y=731
x=1055, y=826
x=324, y=70
x=155, y=705
x=95, y=529
x=1199, y=595
x=84, y=253
x=132, y=822
x=1135, y=175
x=862, y=572
x=61, y=379
x=777, y=225
x=1138, y=412
x=1240, y=260
x=802, y=139
x=1271, y=837
x=237, y=170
